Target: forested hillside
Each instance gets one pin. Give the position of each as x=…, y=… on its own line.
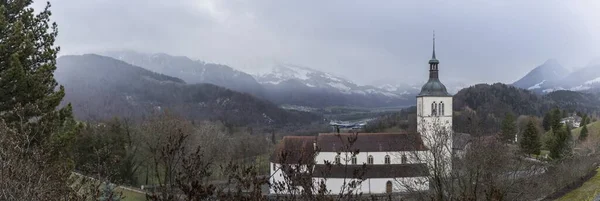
x=101, y=88
x=490, y=103
x=486, y=105
x=497, y=99
x=192, y=71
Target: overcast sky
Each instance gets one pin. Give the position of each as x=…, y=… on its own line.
x=366, y=41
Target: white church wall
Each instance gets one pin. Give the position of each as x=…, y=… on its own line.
x=437, y=127
x=362, y=157
x=376, y=185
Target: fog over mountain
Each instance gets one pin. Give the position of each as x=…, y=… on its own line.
x=365, y=41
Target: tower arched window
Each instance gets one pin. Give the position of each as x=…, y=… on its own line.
x=354, y=161
x=441, y=108
x=404, y=159
x=337, y=159
x=370, y=160
x=387, y=159
x=433, y=109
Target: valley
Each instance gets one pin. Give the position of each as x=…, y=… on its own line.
x=297, y=100
x=288, y=97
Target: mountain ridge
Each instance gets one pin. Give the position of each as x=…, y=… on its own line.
x=192, y=71
x=287, y=84
x=101, y=87
x=550, y=71
x=542, y=80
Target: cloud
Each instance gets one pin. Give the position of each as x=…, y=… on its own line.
x=366, y=41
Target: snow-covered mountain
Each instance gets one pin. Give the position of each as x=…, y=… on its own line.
x=300, y=85
x=317, y=79
x=101, y=88
x=583, y=79
x=192, y=71
x=542, y=76
x=401, y=89
x=551, y=77
x=284, y=85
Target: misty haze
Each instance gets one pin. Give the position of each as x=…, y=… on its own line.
x=299, y=100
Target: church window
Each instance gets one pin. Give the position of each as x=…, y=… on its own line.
x=442, y=108
x=387, y=159
x=404, y=159
x=370, y=159
x=274, y=167
x=433, y=109
x=354, y=160
x=337, y=159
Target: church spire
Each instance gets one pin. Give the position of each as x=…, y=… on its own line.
x=434, y=87
x=433, y=61
x=433, y=56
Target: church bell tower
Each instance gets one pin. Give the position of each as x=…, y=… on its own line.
x=434, y=108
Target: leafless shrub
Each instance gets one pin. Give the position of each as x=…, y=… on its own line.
x=33, y=165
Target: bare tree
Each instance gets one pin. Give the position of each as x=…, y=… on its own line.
x=32, y=166
x=485, y=170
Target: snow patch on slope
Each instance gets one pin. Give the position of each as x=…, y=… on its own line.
x=597, y=80
x=580, y=88
x=550, y=90
x=388, y=87
x=537, y=86
x=586, y=85
x=339, y=86
x=317, y=79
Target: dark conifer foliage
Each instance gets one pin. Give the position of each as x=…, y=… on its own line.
x=530, y=143
x=35, y=134
x=509, y=128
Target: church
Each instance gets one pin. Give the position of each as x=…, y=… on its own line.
x=383, y=162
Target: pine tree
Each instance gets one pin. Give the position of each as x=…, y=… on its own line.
x=584, y=120
x=530, y=143
x=509, y=128
x=584, y=133
x=29, y=98
x=559, y=142
x=555, y=120
x=547, y=122
x=588, y=120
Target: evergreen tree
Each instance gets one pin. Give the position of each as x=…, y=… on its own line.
x=39, y=134
x=588, y=120
x=558, y=143
x=584, y=133
x=547, y=121
x=530, y=143
x=509, y=128
x=555, y=119
x=584, y=120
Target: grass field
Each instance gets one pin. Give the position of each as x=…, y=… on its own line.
x=131, y=195
x=593, y=130
x=585, y=192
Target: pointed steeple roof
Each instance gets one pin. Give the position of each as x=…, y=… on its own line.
x=433, y=60
x=434, y=86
